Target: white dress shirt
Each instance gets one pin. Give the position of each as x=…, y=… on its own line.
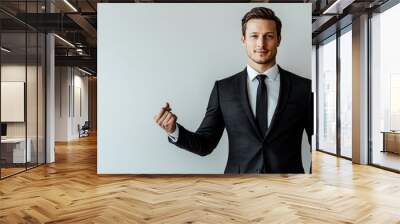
x=273, y=84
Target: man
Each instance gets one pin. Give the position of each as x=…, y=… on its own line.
x=264, y=108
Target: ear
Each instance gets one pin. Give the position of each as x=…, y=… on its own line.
x=279, y=40
x=243, y=40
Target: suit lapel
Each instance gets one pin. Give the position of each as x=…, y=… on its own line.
x=244, y=101
x=284, y=90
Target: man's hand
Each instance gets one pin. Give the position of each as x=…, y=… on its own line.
x=166, y=119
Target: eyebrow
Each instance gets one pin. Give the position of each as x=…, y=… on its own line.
x=265, y=33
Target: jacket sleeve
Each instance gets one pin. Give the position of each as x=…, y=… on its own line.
x=207, y=136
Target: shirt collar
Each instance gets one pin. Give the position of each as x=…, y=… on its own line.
x=271, y=73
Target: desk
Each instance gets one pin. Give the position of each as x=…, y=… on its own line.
x=391, y=141
x=15, y=148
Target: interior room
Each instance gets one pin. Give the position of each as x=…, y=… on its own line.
x=52, y=125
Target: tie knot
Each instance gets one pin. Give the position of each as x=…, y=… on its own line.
x=261, y=78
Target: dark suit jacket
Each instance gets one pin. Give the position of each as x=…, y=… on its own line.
x=279, y=150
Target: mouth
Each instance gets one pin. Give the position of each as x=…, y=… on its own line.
x=261, y=52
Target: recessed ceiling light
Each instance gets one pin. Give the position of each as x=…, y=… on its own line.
x=5, y=50
x=332, y=7
x=84, y=71
x=70, y=5
x=64, y=40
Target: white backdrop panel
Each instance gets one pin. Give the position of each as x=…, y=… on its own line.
x=149, y=54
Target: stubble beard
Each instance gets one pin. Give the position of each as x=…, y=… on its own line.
x=265, y=61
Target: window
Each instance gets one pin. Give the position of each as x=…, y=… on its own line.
x=346, y=74
x=327, y=96
x=385, y=89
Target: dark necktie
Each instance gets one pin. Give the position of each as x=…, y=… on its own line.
x=262, y=105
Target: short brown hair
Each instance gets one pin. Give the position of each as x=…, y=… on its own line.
x=261, y=13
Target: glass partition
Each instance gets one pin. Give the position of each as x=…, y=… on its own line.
x=22, y=77
x=14, y=153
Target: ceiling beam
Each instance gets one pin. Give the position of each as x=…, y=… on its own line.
x=84, y=61
x=86, y=26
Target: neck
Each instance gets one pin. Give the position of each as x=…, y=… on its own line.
x=260, y=68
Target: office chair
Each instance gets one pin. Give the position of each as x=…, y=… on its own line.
x=84, y=130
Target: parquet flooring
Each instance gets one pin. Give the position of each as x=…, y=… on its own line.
x=10, y=171
x=70, y=191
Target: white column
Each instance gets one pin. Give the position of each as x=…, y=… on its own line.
x=50, y=110
x=50, y=92
x=360, y=90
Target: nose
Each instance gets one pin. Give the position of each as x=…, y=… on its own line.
x=260, y=42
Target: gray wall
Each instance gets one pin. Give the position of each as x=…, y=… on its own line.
x=152, y=53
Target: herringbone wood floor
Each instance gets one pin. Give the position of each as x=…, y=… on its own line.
x=70, y=191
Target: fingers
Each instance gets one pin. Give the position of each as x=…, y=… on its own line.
x=161, y=120
x=162, y=111
x=167, y=107
x=159, y=114
x=167, y=118
x=170, y=123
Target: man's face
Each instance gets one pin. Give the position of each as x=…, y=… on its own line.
x=261, y=41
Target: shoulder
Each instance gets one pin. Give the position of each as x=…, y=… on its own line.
x=230, y=80
x=297, y=80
